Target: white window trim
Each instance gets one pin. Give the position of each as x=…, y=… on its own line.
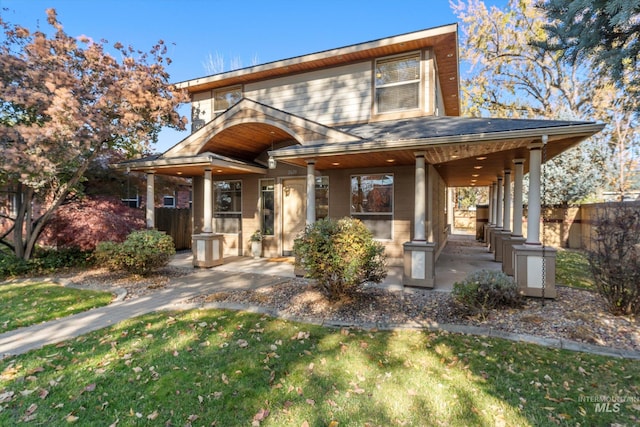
x=421, y=86
x=261, y=213
x=215, y=111
x=216, y=212
x=165, y=205
x=393, y=204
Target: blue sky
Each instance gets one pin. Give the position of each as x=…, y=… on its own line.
x=236, y=30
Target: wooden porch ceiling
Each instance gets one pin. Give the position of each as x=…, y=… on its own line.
x=460, y=165
x=247, y=141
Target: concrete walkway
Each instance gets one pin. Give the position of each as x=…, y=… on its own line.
x=455, y=262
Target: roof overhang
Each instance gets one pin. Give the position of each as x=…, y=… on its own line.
x=443, y=40
x=461, y=160
x=190, y=166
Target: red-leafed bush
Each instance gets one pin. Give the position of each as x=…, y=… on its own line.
x=83, y=224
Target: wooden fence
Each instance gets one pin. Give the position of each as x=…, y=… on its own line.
x=177, y=224
x=565, y=227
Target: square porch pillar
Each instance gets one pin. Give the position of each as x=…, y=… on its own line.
x=507, y=253
x=207, y=249
x=499, y=238
x=419, y=264
x=535, y=270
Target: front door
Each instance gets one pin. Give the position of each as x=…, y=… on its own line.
x=294, y=211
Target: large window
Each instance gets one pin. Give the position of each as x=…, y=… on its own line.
x=398, y=83
x=372, y=203
x=267, y=206
x=228, y=206
x=225, y=98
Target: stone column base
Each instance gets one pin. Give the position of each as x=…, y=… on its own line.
x=500, y=237
x=207, y=249
x=419, y=264
x=507, y=253
x=529, y=263
x=492, y=239
x=487, y=233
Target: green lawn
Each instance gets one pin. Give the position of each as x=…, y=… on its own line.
x=29, y=303
x=572, y=269
x=222, y=368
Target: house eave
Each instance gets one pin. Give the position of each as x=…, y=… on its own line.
x=430, y=142
x=174, y=165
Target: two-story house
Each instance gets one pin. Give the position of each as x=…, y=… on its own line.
x=372, y=131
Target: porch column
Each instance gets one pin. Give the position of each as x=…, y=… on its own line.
x=207, y=247
x=208, y=202
x=150, y=209
x=502, y=236
x=516, y=235
x=420, y=197
x=311, y=192
x=491, y=224
x=419, y=255
x=517, y=197
x=534, y=264
x=450, y=209
x=507, y=200
x=494, y=217
x=499, y=219
x=533, y=215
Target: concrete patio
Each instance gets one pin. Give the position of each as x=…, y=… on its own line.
x=462, y=255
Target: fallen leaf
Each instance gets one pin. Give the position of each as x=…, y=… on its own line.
x=224, y=378
x=333, y=423
x=242, y=343
x=43, y=393
x=71, y=418
x=311, y=402
x=152, y=416
x=261, y=415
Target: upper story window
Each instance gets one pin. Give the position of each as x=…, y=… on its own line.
x=225, y=98
x=397, y=83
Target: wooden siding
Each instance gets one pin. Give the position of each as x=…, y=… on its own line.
x=201, y=109
x=335, y=95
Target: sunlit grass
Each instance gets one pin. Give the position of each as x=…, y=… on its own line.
x=572, y=269
x=27, y=303
x=211, y=367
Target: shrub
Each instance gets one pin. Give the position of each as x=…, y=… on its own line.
x=341, y=255
x=42, y=262
x=83, y=223
x=141, y=253
x=11, y=265
x=485, y=290
x=615, y=257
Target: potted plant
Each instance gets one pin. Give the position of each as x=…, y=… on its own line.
x=256, y=244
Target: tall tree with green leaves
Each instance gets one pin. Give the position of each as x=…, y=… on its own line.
x=511, y=74
x=603, y=32
x=64, y=101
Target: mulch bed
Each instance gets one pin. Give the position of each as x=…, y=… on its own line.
x=577, y=315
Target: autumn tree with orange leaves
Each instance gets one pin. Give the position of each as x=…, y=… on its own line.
x=63, y=101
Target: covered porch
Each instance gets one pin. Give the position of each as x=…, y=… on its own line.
x=462, y=255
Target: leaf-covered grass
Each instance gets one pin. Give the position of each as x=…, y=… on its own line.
x=211, y=367
x=572, y=269
x=29, y=303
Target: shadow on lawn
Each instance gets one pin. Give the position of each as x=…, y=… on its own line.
x=211, y=367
